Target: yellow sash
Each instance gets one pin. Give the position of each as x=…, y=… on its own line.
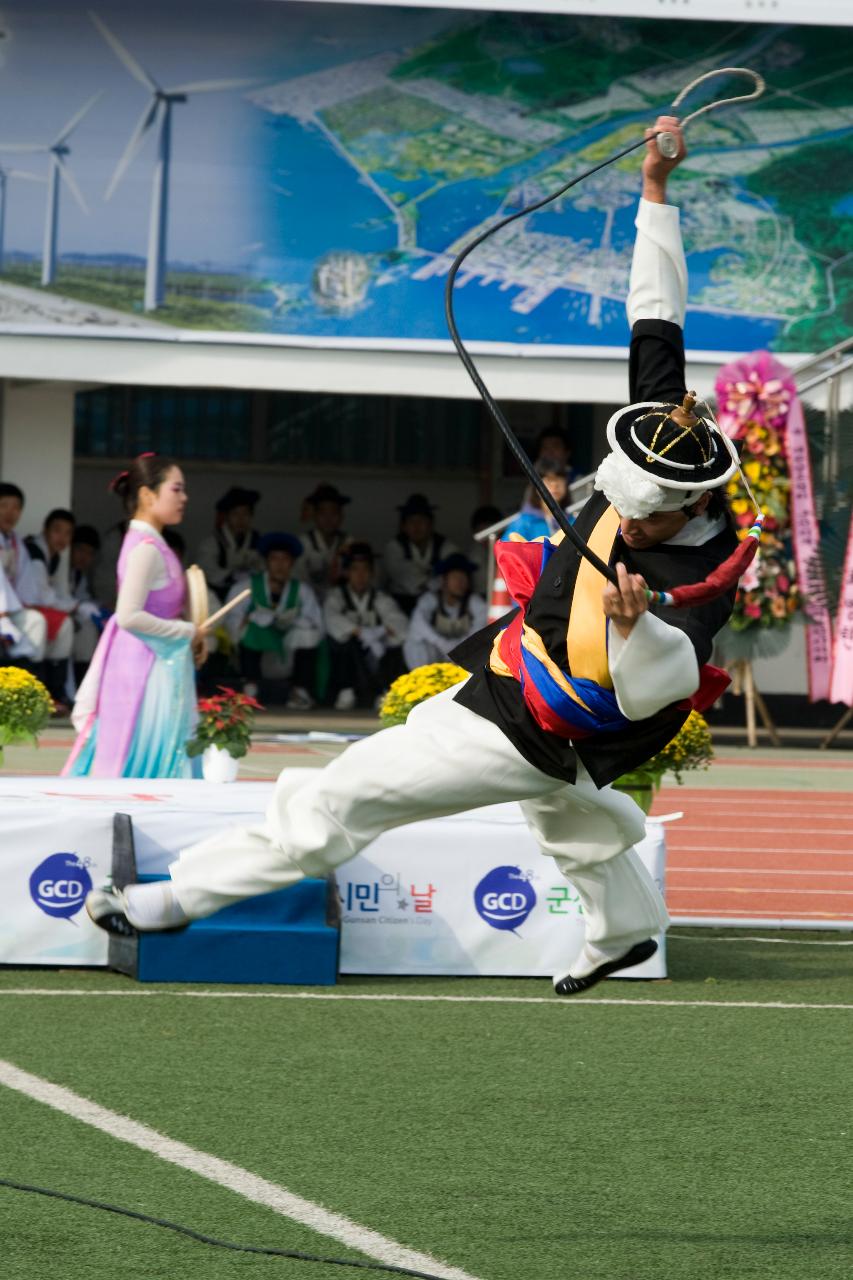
x=586, y=639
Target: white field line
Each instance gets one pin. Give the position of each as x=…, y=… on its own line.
x=774, y=942
x=225, y=1174
x=752, y=871
x=388, y=997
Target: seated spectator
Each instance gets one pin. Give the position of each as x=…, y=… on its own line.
x=50, y=557
x=365, y=632
x=535, y=520
x=479, y=552
x=443, y=618
x=278, y=628
x=412, y=556
x=89, y=617
x=45, y=634
x=324, y=539
x=554, y=443
x=49, y=553
x=231, y=552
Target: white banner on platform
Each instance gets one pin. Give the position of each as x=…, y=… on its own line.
x=469, y=894
x=56, y=844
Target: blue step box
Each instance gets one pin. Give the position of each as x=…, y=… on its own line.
x=290, y=937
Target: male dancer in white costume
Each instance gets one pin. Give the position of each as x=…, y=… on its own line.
x=482, y=742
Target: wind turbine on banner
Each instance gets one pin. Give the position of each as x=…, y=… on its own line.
x=157, y=111
x=6, y=175
x=58, y=150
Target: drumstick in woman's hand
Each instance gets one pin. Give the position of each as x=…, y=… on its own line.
x=226, y=608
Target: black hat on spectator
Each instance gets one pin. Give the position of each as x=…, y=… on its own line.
x=280, y=542
x=357, y=551
x=456, y=561
x=328, y=493
x=417, y=504
x=86, y=535
x=237, y=497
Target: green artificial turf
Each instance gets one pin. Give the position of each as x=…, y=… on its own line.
x=549, y=1141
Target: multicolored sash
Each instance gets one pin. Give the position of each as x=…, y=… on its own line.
x=576, y=701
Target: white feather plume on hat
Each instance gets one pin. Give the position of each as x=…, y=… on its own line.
x=634, y=494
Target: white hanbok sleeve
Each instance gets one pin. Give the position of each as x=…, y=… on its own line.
x=338, y=625
x=658, y=288
x=9, y=601
x=50, y=594
x=420, y=623
x=307, y=630
x=653, y=667
x=39, y=592
x=26, y=583
x=144, y=568
x=393, y=619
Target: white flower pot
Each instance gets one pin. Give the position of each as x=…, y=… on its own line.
x=218, y=765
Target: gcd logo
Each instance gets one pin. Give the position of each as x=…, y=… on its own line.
x=505, y=897
x=59, y=885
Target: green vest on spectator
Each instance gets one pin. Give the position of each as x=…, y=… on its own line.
x=267, y=639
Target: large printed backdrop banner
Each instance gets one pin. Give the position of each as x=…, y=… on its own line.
x=324, y=163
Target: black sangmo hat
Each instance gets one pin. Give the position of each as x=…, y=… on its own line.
x=664, y=457
x=357, y=551
x=457, y=560
x=417, y=504
x=237, y=497
x=328, y=493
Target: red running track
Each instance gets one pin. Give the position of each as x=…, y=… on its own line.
x=764, y=856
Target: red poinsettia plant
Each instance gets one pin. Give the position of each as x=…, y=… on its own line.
x=226, y=721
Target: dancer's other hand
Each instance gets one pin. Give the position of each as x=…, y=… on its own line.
x=624, y=604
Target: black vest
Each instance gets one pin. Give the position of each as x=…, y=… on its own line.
x=606, y=756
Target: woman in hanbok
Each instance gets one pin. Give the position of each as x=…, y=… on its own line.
x=136, y=707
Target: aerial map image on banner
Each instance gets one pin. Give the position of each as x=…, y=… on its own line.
x=312, y=169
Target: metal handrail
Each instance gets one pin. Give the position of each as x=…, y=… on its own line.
x=826, y=375
x=831, y=353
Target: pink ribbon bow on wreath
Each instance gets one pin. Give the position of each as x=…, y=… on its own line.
x=756, y=389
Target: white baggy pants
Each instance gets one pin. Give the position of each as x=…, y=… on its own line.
x=445, y=759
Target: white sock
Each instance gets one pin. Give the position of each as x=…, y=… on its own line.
x=153, y=906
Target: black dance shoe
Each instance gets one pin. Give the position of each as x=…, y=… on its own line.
x=571, y=986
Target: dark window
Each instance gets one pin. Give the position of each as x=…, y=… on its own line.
x=120, y=422
x=375, y=431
